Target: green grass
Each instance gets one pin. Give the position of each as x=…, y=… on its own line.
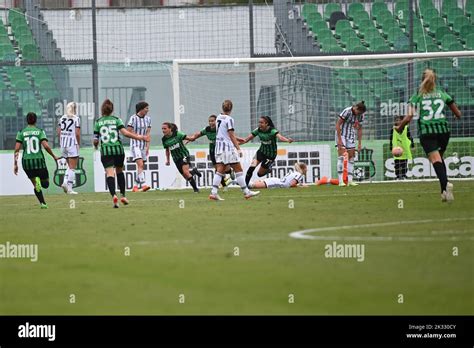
x=190, y=251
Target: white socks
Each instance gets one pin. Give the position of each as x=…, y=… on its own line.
x=350, y=169
x=340, y=167
x=216, y=182
x=71, y=176
x=239, y=177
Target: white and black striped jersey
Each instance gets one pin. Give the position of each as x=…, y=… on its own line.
x=68, y=125
x=225, y=123
x=292, y=176
x=351, y=122
x=140, y=125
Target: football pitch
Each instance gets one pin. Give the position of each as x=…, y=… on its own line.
x=176, y=252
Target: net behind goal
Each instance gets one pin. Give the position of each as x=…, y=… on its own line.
x=304, y=97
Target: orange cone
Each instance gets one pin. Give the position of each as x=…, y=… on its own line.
x=322, y=181
x=334, y=181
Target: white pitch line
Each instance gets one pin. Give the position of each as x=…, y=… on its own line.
x=303, y=233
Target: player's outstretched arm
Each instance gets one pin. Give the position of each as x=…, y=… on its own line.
x=48, y=149
x=193, y=137
x=245, y=140
x=406, y=120
x=339, y=123
x=454, y=108
x=15, y=157
x=134, y=136
x=284, y=139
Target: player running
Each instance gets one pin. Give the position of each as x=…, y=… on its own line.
x=350, y=120
x=140, y=123
x=30, y=139
x=69, y=134
x=267, y=152
x=228, y=152
x=173, y=143
x=433, y=127
x=106, y=130
x=210, y=133
x=292, y=179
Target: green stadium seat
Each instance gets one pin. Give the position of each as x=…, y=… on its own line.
x=428, y=15
x=32, y=105
x=329, y=9
x=376, y=42
x=444, y=67
x=455, y=46
x=361, y=17
x=389, y=23
x=470, y=8
x=448, y=39
x=365, y=27
x=353, y=9
x=8, y=108
x=30, y=52
x=332, y=49
x=309, y=9
x=470, y=41
x=454, y=13
x=341, y=26
x=314, y=17
x=21, y=84
x=378, y=8
x=466, y=30
x=394, y=34
x=381, y=48
x=46, y=84
x=460, y=22
x=424, y=10
x=441, y=32
x=447, y=5
x=436, y=23
x=49, y=94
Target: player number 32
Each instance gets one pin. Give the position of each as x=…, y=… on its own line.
x=428, y=106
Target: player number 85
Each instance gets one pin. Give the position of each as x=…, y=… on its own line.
x=109, y=134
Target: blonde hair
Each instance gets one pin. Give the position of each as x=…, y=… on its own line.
x=428, y=83
x=301, y=168
x=71, y=109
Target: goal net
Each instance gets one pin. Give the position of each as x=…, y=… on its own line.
x=305, y=95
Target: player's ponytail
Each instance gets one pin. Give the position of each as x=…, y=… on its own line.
x=71, y=109
x=269, y=121
x=428, y=83
x=172, y=126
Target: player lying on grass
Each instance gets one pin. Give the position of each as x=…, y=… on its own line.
x=173, y=143
x=69, y=134
x=350, y=120
x=140, y=123
x=433, y=127
x=210, y=133
x=30, y=139
x=267, y=152
x=292, y=179
x=106, y=131
x=228, y=152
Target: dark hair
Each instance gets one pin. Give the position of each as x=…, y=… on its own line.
x=227, y=105
x=174, y=128
x=107, y=107
x=269, y=121
x=214, y=116
x=140, y=106
x=31, y=118
x=361, y=106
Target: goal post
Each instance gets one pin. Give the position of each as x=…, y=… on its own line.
x=304, y=96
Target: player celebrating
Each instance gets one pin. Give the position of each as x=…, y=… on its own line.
x=106, y=130
x=210, y=133
x=69, y=134
x=267, y=152
x=227, y=153
x=140, y=123
x=31, y=139
x=173, y=143
x=350, y=119
x=433, y=127
x=292, y=179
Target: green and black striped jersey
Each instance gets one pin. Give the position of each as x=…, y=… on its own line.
x=430, y=108
x=30, y=139
x=268, y=141
x=107, y=130
x=174, y=142
x=211, y=136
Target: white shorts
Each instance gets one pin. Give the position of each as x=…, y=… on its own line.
x=71, y=151
x=138, y=153
x=273, y=183
x=348, y=143
x=228, y=157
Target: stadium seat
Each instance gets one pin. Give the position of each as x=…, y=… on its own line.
x=447, y=5
x=353, y=9
x=30, y=52
x=309, y=9
x=32, y=105
x=341, y=26
x=466, y=30
x=460, y=22
x=441, y=32
x=436, y=23
x=329, y=9
x=394, y=34
x=377, y=9
x=455, y=46
x=366, y=27
x=469, y=8
x=470, y=41
x=360, y=18
x=428, y=15
x=447, y=40
x=454, y=13
x=8, y=108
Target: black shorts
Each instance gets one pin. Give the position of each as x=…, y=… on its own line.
x=265, y=161
x=434, y=142
x=180, y=163
x=37, y=173
x=212, y=156
x=112, y=160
